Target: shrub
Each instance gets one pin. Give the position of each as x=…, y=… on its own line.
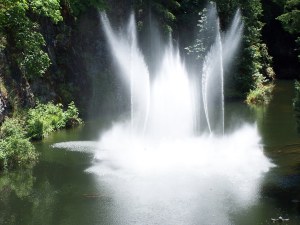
x=260, y=95
x=72, y=116
x=12, y=127
x=46, y=118
x=15, y=148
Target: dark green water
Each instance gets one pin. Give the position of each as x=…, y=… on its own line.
x=59, y=191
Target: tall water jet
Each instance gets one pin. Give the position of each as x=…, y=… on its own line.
x=133, y=69
x=212, y=78
x=172, y=111
x=170, y=93
x=232, y=39
x=213, y=85
x=219, y=58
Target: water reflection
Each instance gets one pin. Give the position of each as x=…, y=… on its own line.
x=37, y=202
x=175, y=199
x=14, y=185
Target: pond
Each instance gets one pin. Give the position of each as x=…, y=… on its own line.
x=62, y=188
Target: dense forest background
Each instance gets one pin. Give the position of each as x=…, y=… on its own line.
x=55, y=50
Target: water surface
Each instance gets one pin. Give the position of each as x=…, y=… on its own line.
x=59, y=190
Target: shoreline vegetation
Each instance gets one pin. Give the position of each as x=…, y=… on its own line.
x=17, y=132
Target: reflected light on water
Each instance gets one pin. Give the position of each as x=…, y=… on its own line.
x=197, y=180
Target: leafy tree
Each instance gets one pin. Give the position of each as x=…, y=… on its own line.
x=48, y=8
x=187, y=19
x=290, y=19
x=77, y=7
x=207, y=29
x=163, y=10
x=256, y=61
x=24, y=41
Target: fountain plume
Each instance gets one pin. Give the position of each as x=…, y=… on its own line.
x=164, y=103
x=133, y=69
x=155, y=157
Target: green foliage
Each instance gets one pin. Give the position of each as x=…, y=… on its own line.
x=31, y=59
x=296, y=104
x=252, y=61
x=255, y=71
x=260, y=95
x=200, y=46
x=12, y=127
x=13, y=11
x=46, y=118
x=72, y=115
x=206, y=34
x=25, y=42
x=16, y=151
x=297, y=88
x=290, y=19
x=15, y=148
x=47, y=8
x=227, y=9
x=267, y=60
x=163, y=10
x=262, y=75
x=79, y=6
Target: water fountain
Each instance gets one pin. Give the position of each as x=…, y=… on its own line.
x=165, y=105
x=161, y=154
